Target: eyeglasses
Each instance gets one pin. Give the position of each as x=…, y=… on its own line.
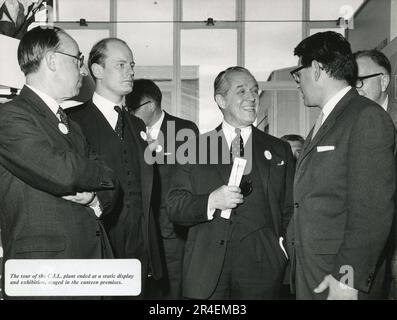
x=142, y=104
x=80, y=57
x=360, y=80
x=295, y=75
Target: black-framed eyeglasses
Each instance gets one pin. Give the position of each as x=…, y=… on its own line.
x=80, y=57
x=360, y=80
x=142, y=104
x=295, y=75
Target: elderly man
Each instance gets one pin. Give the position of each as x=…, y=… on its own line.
x=116, y=135
x=44, y=161
x=374, y=73
x=345, y=179
x=233, y=249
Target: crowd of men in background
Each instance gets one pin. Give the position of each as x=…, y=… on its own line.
x=316, y=214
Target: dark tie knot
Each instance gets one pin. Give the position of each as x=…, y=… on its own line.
x=117, y=109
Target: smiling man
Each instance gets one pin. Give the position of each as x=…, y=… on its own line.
x=115, y=135
x=237, y=256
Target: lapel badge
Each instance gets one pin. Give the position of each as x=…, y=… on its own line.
x=268, y=155
x=64, y=129
x=143, y=135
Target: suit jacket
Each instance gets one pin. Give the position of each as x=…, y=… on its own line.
x=344, y=197
x=207, y=241
x=164, y=169
x=39, y=165
x=94, y=126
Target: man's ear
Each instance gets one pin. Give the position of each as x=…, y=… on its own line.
x=49, y=60
x=384, y=82
x=316, y=70
x=97, y=70
x=220, y=100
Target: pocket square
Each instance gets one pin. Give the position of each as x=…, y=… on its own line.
x=325, y=148
x=281, y=163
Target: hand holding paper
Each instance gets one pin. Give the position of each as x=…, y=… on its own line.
x=234, y=180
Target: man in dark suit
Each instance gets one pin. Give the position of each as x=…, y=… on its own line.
x=49, y=208
x=234, y=250
x=161, y=131
x=374, y=75
x=345, y=179
x=116, y=136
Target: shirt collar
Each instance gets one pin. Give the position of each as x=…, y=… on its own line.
x=155, y=129
x=230, y=134
x=107, y=108
x=385, y=103
x=50, y=102
x=330, y=105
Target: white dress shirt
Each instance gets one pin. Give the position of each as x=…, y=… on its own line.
x=154, y=130
x=331, y=103
x=107, y=109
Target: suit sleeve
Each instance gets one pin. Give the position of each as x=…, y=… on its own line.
x=27, y=152
x=183, y=205
x=288, y=206
x=370, y=197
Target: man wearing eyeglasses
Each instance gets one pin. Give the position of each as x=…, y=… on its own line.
x=345, y=180
x=116, y=135
x=234, y=247
x=374, y=72
x=52, y=194
x=161, y=133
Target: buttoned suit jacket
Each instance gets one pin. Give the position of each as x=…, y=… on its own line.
x=344, y=193
x=39, y=165
x=94, y=126
x=207, y=241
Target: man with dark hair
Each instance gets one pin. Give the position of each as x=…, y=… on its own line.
x=374, y=73
x=345, y=179
x=233, y=249
x=161, y=130
x=115, y=135
x=44, y=161
x=296, y=142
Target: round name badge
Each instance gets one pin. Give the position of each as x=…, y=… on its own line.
x=268, y=155
x=64, y=129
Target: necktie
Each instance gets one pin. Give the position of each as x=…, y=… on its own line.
x=237, y=146
x=64, y=118
x=318, y=123
x=120, y=123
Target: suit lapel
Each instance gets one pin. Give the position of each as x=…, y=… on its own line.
x=38, y=106
x=223, y=169
x=261, y=163
x=326, y=126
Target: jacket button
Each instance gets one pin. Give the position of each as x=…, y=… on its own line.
x=296, y=205
x=221, y=242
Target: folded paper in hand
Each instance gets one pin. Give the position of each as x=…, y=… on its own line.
x=234, y=180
